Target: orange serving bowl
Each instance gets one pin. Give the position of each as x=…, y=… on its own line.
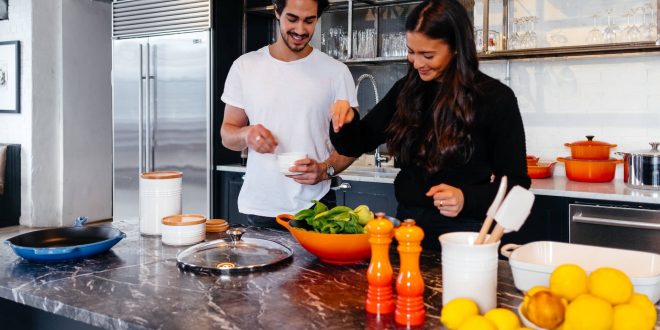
x=541, y=170
x=338, y=249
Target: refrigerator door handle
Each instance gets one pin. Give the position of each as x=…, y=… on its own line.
x=151, y=80
x=148, y=153
x=141, y=117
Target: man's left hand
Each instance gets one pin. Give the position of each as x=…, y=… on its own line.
x=312, y=172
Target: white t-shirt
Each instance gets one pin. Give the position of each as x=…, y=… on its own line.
x=293, y=101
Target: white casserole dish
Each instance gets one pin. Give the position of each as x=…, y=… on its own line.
x=532, y=264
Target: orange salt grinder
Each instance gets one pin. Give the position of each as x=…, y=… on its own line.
x=379, y=274
x=409, y=309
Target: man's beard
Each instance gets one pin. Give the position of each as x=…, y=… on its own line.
x=293, y=48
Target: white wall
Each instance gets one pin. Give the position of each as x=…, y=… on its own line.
x=87, y=119
x=17, y=128
x=615, y=98
x=65, y=124
x=46, y=131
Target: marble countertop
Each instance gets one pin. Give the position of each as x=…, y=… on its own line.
x=560, y=186
x=136, y=285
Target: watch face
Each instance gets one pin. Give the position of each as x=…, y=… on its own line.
x=330, y=170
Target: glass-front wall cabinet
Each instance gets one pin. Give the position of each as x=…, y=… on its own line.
x=532, y=24
x=373, y=30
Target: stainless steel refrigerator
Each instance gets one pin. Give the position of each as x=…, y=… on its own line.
x=161, y=116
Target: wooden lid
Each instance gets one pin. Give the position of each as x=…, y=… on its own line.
x=184, y=219
x=162, y=175
x=216, y=222
x=216, y=225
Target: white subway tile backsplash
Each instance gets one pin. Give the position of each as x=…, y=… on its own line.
x=616, y=98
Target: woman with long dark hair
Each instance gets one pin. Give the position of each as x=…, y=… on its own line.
x=452, y=130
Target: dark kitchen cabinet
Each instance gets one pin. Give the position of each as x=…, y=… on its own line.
x=230, y=186
x=378, y=196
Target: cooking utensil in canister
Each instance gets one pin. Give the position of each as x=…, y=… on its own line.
x=590, y=149
x=590, y=170
x=513, y=212
x=50, y=245
x=490, y=214
x=641, y=169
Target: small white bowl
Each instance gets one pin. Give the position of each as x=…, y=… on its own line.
x=287, y=159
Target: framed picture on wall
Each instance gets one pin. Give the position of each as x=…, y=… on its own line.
x=10, y=76
x=4, y=10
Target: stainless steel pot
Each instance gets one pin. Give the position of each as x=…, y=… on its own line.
x=642, y=168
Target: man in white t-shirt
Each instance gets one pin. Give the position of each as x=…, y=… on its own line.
x=279, y=99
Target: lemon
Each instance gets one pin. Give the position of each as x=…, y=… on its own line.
x=629, y=317
x=477, y=322
x=456, y=311
x=568, y=281
x=587, y=312
x=503, y=319
x=545, y=309
x=611, y=285
x=530, y=293
x=647, y=307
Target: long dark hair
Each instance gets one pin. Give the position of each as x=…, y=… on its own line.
x=410, y=137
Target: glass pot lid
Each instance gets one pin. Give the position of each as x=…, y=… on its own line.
x=232, y=255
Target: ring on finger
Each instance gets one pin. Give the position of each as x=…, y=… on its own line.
x=441, y=203
x=258, y=138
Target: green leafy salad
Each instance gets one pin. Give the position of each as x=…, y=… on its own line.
x=338, y=220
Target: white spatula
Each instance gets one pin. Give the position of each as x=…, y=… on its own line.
x=512, y=213
x=490, y=214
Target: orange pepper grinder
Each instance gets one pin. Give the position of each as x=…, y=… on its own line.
x=409, y=284
x=379, y=274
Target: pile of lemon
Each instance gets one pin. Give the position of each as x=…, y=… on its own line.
x=574, y=301
x=463, y=314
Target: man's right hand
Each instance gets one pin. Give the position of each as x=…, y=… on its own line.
x=341, y=113
x=260, y=139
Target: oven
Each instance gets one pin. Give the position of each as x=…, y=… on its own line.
x=615, y=226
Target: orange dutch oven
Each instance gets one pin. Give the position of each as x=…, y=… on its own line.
x=590, y=149
x=590, y=170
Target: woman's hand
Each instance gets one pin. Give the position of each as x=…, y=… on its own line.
x=448, y=199
x=260, y=139
x=311, y=171
x=341, y=113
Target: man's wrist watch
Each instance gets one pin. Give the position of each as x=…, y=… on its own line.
x=329, y=170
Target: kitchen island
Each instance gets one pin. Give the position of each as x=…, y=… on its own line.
x=137, y=285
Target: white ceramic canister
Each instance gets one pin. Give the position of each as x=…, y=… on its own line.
x=183, y=229
x=469, y=270
x=160, y=196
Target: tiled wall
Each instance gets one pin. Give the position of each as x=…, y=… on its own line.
x=615, y=98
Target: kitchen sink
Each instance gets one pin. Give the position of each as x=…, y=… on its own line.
x=371, y=170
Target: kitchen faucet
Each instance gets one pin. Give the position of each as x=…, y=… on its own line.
x=378, y=158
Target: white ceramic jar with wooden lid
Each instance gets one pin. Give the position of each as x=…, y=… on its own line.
x=183, y=229
x=160, y=196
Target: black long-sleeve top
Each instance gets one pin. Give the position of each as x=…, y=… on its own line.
x=498, y=139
